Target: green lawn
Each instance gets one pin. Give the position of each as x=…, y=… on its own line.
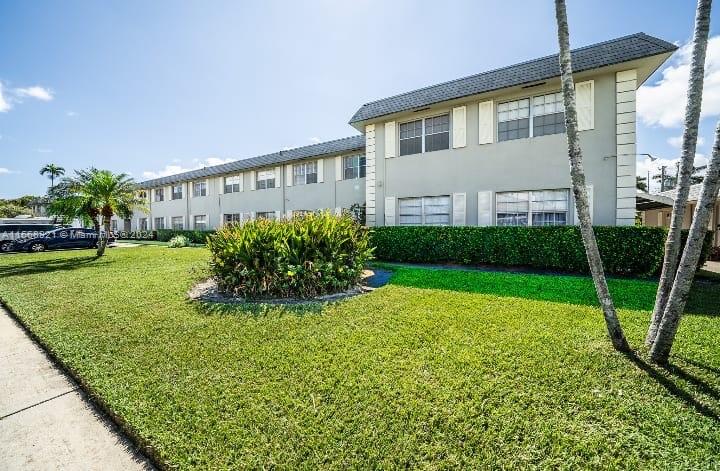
x=439, y=369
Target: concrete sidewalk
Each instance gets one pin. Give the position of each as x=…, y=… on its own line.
x=45, y=421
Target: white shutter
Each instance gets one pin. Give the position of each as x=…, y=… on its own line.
x=320, y=168
x=458, y=125
x=221, y=185
x=585, y=98
x=288, y=214
x=485, y=123
x=390, y=210
x=289, y=175
x=338, y=169
x=485, y=210
x=590, y=206
x=458, y=209
x=390, y=139
x=278, y=177
x=278, y=215
x=253, y=180
x=242, y=182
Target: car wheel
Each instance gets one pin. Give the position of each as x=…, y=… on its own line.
x=37, y=247
x=5, y=246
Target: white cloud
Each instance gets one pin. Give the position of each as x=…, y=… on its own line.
x=676, y=141
x=5, y=171
x=37, y=92
x=71, y=114
x=663, y=103
x=315, y=140
x=4, y=103
x=671, y=167
x=175, y=168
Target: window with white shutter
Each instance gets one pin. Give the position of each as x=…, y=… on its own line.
x=458, y=126
x=585, y=99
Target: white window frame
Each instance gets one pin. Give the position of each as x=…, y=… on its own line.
x=234, y=182
x=531, y=115
x=423, y=215
x=140, y=224
x=422, y=134
x=269, y=215
x=162, y=195
x=202, y=185
x=234, y=218
x=265, y=175
x=530, y=210
x=172, y=191
x=182, y=223
x=195, y=222
x=155, y=223
x=361, y=165
x=304, y=166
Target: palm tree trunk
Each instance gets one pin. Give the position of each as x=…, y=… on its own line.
x=102, y=241
x=577, y=174
x=660, y=351
x=692, y=118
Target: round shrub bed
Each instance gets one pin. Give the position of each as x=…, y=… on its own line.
x=303, y=257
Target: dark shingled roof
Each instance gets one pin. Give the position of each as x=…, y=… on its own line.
x=338, y=146
x=615, y=51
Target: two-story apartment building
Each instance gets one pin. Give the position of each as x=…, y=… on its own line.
x=489, y=149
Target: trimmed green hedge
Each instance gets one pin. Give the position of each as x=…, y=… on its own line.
x=624, y=250
x=196, y=237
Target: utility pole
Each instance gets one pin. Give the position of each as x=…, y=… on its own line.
x=662, y=178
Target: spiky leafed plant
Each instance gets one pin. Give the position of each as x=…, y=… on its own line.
x=685, y=173
x=52, y=171
x=577, y=174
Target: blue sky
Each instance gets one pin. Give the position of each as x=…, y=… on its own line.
x=154, y=87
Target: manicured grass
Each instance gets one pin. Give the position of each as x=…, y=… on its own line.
x=439, y=369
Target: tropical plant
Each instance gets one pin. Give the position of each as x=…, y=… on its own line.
x=52, y=171
x=577, y=174
x=689, y=145
x=641, y=183
x=179, y=241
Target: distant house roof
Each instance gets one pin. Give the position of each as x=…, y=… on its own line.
x=338, y=146
x=694, y=194
x=614, y=51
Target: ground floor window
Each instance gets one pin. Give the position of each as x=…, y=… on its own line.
x=265, y=215
x=230, y=218
x=200, y=222
x=177, y=223
x=159, y=223
x=536, y=208
x=426, y=211
x=143, y=224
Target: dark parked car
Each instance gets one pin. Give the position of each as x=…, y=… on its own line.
x=12, y=232
x=64, y=238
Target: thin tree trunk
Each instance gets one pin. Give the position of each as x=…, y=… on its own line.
x=102, y=241
x=577, y=174
x=660, y=351
x=685, y=171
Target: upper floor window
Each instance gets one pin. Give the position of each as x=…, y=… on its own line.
x=265, y=179
x=536, y=116
x=354, y=166
x=425, y=135
x=200, y=222
x=536, y=208
x=232, y=184
x=548, y=114
x=177, y=223
x=142, y=194
x=199, y=189
x=177, y=191
x=514, y=120
x=427, y=210
x=159, y=194
x=305, y=173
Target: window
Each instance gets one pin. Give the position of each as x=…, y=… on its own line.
x=199, y=189
x=232, y=184
x=159, y=223
x=514, y=120
x=177, y=191
x=265, y=179
x=265, y=215
x=354, y=167
x=159, y=194
x=411, y=137
x=548, y=114
x=542, y=115
x=428, y=211
x=425, y=135
x=200, y=222
x=437, y=133
x=143, y=224
x=177, y=223
x=231, y=218
x=142, y=194
x=536, y=208
x=305, y=173
x=113, y=225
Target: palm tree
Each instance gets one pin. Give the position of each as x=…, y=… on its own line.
x=685, y=171
x=93, y=193
x=577, y=174
x=52, y=171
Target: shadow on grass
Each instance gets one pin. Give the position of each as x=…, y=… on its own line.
x=667, y=376
x=628, y=294
x=50, y=265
